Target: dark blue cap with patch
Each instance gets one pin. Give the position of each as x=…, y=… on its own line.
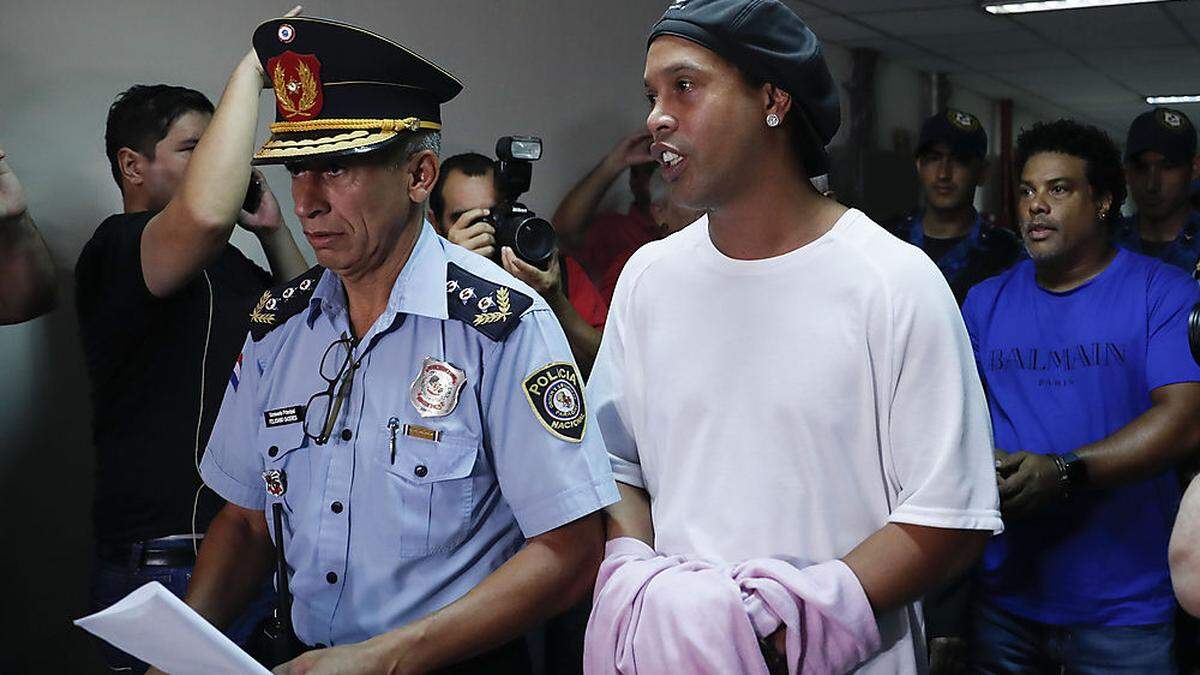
x=766, y=40
x=343, y=90
x=960, y=130
x=1164, y=130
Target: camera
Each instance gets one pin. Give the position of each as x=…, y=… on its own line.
x=530, y=237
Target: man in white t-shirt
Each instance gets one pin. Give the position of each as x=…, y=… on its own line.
x=784, y=378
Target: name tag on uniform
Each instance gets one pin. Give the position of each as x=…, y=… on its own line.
x=283, y=416
x=422, y=433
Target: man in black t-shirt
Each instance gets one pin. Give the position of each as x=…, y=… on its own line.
x=951, y=163
x=163, y=301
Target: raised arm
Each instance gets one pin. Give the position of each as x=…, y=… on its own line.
x=577, y=208
x=189, y=233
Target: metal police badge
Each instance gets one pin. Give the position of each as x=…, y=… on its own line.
x=555, y=394
x=435, y=391
x=276, y=482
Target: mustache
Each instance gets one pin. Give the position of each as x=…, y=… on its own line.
x=1039, y=222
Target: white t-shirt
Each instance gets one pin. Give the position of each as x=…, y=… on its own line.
x=790, y=407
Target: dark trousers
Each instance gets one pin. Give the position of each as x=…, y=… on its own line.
x=112, y=581
x=1002, y=642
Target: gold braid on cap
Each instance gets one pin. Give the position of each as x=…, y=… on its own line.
x=347, y=124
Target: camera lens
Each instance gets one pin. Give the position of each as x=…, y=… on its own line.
x=533, y=240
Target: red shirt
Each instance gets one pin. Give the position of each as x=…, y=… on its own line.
x=611, y=240
x=582, y=294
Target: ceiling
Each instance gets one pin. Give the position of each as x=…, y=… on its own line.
x=1093, y=64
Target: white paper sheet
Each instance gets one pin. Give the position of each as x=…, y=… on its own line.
x=158, y=628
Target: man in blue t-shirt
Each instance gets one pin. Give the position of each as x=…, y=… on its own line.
x=1094, y=395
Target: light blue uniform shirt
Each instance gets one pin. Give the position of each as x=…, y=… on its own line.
x=374, y=543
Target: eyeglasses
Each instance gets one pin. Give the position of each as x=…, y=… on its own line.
x=338, y=373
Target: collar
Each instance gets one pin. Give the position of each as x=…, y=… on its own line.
x=916, y=235
x=419, y=289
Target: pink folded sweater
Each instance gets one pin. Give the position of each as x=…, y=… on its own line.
x=655, y=614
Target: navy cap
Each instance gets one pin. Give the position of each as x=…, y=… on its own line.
x=342, y=90
x=1164, y=130
x=957, y=129
x=769, y=42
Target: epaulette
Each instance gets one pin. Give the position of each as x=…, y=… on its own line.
x=282, y=302
x=490, y=308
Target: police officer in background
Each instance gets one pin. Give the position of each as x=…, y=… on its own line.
x=968, y=248
x=410, y=409
x=951, y=164
x=1160, y=165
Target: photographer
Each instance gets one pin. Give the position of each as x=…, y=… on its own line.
x=163, y=300
x=27, y=274
x=461, y=201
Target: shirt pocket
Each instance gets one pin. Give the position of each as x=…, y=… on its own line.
x=434, y=485
x=285, y=465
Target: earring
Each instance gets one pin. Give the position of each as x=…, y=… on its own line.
x=772, y=120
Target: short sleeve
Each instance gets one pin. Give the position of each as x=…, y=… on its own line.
x=230, y=465
x=607, y=394
x=108, y=275
x=549, y=461
x=940, y=430
x=1171, y=296
x=970, y=315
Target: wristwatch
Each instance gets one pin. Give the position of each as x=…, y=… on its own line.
x=1072, y=473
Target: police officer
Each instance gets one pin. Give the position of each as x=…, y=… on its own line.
x=951, y=164
x=1160, y=165
x=411, y=409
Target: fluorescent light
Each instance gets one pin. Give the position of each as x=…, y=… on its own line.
x=1168, y=100
x=1054, y=5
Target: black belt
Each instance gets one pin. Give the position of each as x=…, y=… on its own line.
x=150, y=553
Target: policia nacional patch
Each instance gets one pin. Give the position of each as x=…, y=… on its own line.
x=555, y=394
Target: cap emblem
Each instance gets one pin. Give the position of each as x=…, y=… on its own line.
x=963, y=121
x=297, y=80
x=286, y=33
x=1171, y=119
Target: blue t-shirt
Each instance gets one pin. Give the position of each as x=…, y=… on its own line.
x=1063, y=370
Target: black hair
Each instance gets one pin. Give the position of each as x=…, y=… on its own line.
x=470, y=164
x=142, y=116
x=1102, y=160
